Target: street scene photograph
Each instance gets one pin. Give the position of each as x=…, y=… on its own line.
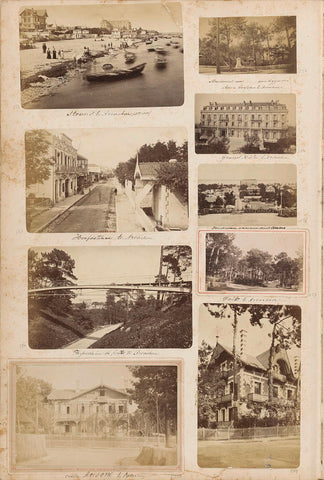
x=106, y=180
x=249, y=386
x=241, y=194
x=85, y=415
x=101, y=56
x=110, y=297
x=234, y=123
x=247, y=45
x=255, y=261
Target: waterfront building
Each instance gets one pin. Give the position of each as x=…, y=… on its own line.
x=267, y=120
x=31, y=19
x=252, y=382
x=99, y=411
x=62, y=181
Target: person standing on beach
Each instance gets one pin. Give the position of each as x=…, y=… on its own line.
x=49, y=53
x=44, y=48
x=54, y=53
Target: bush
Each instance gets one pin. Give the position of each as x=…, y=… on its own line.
x=249, y=281
x=288, y=212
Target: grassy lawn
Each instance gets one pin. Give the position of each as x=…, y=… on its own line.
x=265, y=453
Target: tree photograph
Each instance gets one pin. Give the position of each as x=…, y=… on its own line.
x=115, y=304
x=247, y=45
x=249, y=385
x=256, y=261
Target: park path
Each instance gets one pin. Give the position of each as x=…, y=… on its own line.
x=93, y=337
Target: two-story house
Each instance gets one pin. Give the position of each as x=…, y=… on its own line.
x=101, y=411
x=251, y=380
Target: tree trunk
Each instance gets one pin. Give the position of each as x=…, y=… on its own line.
x=271, y=355
x=167, y=429
x=288, y=39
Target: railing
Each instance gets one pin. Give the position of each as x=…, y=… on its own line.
x=227, y=398
x=65, y=169
x=230, y=433
x=257, y=397
x=279, y=376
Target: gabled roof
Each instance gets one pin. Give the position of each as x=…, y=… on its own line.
x=40, y=12
x=149, y=169
x=245, y=358
x=69, y=394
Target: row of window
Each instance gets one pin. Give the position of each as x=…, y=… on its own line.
x=247, y=107
x=240, y=116
x=99, y=409
x=255, y=123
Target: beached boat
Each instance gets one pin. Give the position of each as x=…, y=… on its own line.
x=116, y=74
x=130, y=57
x=150, y=49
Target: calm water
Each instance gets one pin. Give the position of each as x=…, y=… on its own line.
x=155, y=87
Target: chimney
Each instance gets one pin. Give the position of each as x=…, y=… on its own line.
x=296, y=365
x=242, y=342
x=217, y=337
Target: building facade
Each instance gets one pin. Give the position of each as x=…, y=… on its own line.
x=62, y=181
x=167, y=209
x=251, y=382
x=31, y=19
x=99, y=411
x=267, y=120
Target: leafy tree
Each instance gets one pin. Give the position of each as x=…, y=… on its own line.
x=175, y=177
x=38, y=157
x=155, y=393
x=258, y=262
x=31, y=397
x=52, y=269
x=229, y=198
x=219, y=246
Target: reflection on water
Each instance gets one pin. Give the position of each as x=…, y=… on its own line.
x=155, y=87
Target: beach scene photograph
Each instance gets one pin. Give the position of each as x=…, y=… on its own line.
x=101, y=56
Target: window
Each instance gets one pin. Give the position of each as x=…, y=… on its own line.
x=289, y=394
x=257, y=388
x=82, y=409
x=102, y=393
x=121, y=409
x=111, y=408
x=68, y=410
x=275, y=392
x=231, y=387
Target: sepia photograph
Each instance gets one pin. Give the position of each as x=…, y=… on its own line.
x=94, y=415
x=247, y=45
x=110, y=297
x=240, y=194
x=255, y=261
x=249, y=384
x=235, y=123
x=101, y=56
x=106, y=180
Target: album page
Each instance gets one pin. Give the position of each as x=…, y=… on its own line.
x=161, y=240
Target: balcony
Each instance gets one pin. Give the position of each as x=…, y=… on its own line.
x=283, y=402
x=257, y=397
x=65, y=169
x=279, y=376
x=228, y=398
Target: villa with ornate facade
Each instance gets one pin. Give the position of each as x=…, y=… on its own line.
x=99, y=411
x=251, y=380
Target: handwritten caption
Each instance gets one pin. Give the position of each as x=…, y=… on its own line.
x=118, y=352
x=242, y=85
x=105, y=475
x=104, y=113
x=103, y=236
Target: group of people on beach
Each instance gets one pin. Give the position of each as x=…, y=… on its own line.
x=52, y=54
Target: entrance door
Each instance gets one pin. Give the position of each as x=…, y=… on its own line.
x=67, y=428
x=223, y=132
x=66, y=189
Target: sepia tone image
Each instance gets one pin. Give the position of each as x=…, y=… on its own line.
x=101, y=56
x=240, y=194
x=78, y=415
x=247, y=45
x=110, y=297
x=249, y=386
x=106, y=180
x=255, y=261
x=257, y=124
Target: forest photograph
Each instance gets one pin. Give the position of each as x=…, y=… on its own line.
x=256, y=261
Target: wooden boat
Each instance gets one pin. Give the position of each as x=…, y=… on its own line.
x=160, y=49
x=161, y=62
x=130, y=57
x=148, y=42
x=150, y=49
x=118, y=74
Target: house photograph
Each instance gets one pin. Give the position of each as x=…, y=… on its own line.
x=106, y=180
x=241, y=194
x=235, y=123
x=94, y=415
x=249, y=385
x=263, y=44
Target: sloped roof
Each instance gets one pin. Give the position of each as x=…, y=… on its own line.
x=69, y=394
x=40, y=12
x=149, y=168
x=245, y=358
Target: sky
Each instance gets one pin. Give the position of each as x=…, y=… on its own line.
x=164, y=17
x=108, y=147
x=204, y=25
x=288, y=99
x=272, y=242
x=257, y=339
x=268, y=173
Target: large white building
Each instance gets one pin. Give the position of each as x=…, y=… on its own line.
x=267, y=120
